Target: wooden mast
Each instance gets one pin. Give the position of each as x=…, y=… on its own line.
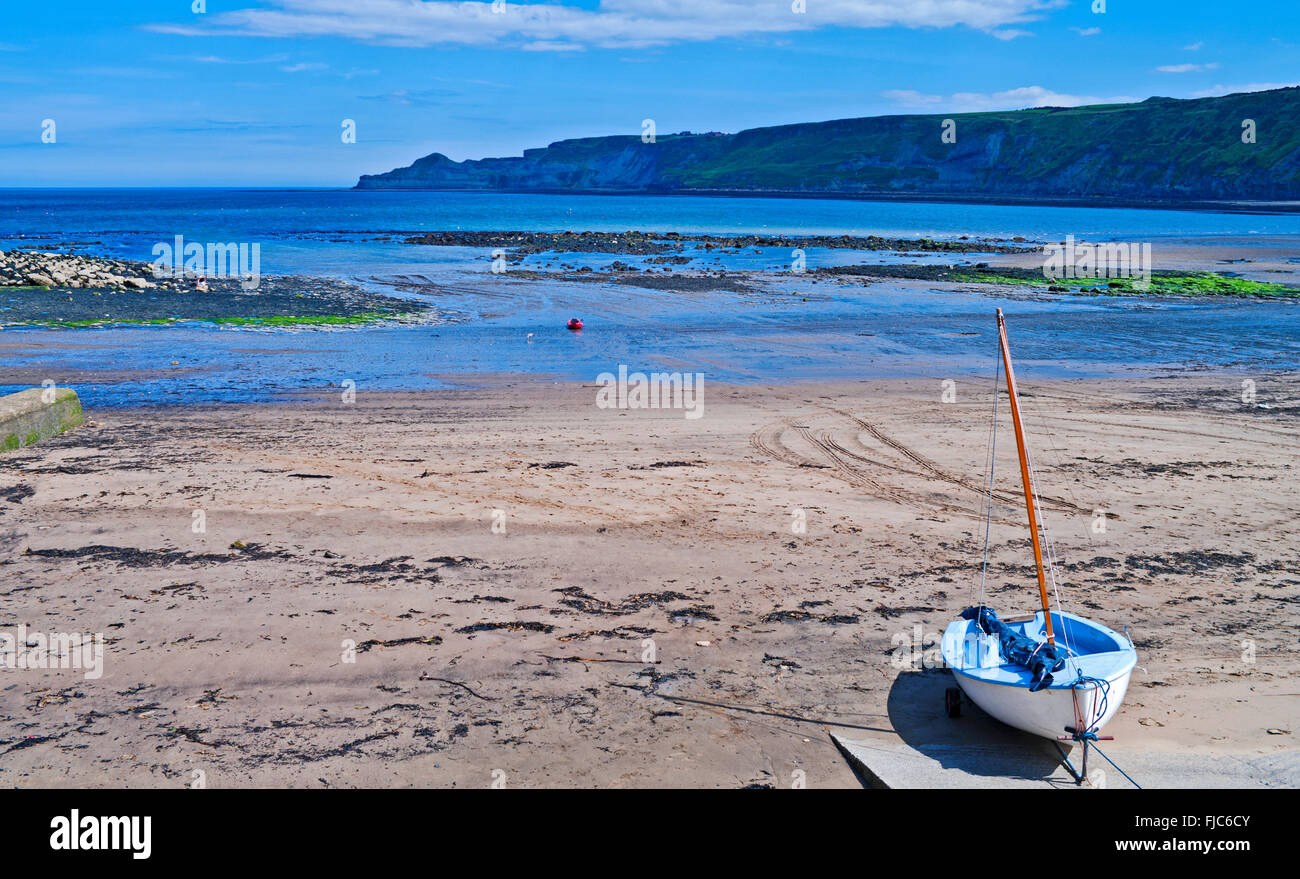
x=1024, y=474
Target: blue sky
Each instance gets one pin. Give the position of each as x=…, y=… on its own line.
x=254, y=92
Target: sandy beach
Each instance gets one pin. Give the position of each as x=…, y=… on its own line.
x=653, y=397
x=510, y=585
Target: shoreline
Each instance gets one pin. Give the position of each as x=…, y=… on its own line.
x=47, y=289
x=1227, y=207
x=739, y=313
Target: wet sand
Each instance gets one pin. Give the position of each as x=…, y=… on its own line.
x=519, y=653
x=1272, y=259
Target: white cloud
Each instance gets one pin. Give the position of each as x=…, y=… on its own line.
x=1086, y=31
x=612, y=23
x=912, y=98
x=306, y=65
x=1193, y=47
x=218, y=59
x=1037, y=96
x=552, y=46
x=1238, y=89
x=1186, y=68
x=1012, y=99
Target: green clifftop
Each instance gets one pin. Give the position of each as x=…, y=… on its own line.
x=1161, y=148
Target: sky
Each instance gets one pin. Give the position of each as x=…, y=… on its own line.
x=159, y=93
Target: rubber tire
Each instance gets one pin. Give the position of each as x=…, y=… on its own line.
x=952, y=701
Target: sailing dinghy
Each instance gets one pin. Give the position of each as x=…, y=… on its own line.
x=1049, y=673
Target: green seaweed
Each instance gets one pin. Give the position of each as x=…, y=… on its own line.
x=1202, y=284
x=994, y=278
x=1161, y=284
x=364, y=317
x=287, y=320
x=73, y=416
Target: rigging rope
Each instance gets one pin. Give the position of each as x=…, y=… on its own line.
x=1051, y=551
x=992, y=459
x=1086, y=732
x=1116, y=765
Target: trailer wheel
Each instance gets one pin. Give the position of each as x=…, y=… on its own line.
x=952, y=701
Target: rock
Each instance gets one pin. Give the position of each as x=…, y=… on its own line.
x=36, y=279
x=33, y=415
x=140, y=284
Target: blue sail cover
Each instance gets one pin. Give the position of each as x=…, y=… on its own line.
x=1039, y=657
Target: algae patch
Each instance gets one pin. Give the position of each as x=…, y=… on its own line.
x=1167, y=283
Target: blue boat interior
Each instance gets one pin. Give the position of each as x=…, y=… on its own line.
x=1094, y=651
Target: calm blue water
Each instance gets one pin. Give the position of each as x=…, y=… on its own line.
x=801, y=330
x=130, y=221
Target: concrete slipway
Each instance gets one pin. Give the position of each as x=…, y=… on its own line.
x=929, y=750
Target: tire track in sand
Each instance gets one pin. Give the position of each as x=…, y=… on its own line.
x=1060, y=505
x=767, y=440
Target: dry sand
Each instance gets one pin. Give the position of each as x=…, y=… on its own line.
x=372, y=523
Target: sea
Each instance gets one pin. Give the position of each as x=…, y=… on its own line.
x=496, y=329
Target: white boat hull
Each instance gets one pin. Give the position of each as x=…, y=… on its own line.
x=1003, y=692
x=1046, y=713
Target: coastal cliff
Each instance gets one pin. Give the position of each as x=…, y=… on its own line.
x=1159, y=149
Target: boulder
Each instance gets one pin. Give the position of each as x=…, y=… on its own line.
x=36, y=414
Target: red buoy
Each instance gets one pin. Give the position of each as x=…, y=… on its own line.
x=574, y=323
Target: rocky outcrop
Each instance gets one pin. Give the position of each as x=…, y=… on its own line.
x=1160, y=149
x=645, y=243
x=25, y=268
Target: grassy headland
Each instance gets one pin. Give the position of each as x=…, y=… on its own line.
x=1161, y=149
